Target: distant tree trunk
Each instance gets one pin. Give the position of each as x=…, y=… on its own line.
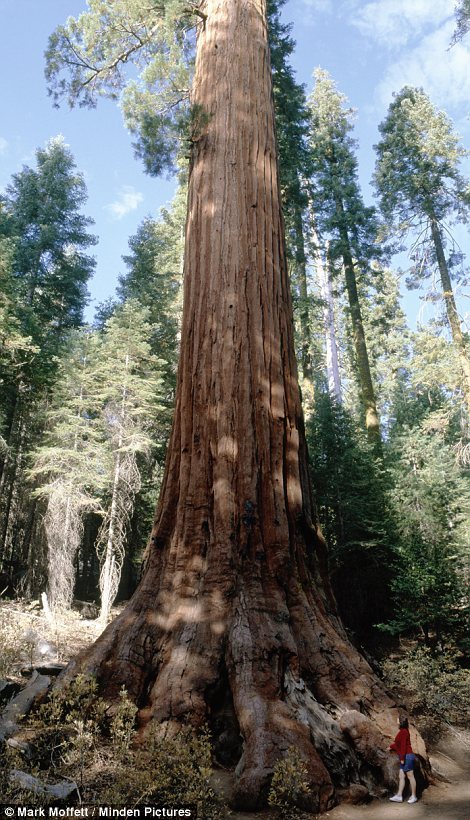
x=9, y=485
x=63, y=525
x=234, y=615
x=371, y=413
x=113, y=553
x=451, y=308
x=300, y=261
x=323, y=267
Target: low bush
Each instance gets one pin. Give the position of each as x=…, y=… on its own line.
x=289, y=786
x=76, y=735
x=434, y=687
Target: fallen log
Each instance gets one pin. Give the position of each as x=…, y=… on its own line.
x=59, y=791
x=22, y=704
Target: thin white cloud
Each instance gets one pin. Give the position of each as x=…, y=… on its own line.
x=310, y=8
x=394, y=23
x=128, y=200
x=441, y=71
x=3, y=146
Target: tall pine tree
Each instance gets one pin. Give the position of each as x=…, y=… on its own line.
x=343, y=218
x=41, y=216
x=420, y=187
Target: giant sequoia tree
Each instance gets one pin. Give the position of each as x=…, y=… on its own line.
x=234, y=622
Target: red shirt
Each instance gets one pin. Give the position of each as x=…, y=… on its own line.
x=402, y=744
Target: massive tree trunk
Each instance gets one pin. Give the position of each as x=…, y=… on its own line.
x=234, y=622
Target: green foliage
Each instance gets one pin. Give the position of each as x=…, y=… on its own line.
x=122, y=724
x=417, y=176
x=76, y=736
x=342, y=217
x=388, y=339
x=430, y=497
x=44, y=269
x=289, y=786
x=71, y=454
x=291, y=114
x=462, y=11
x=90, y=57
x=81, y=743
x=344, y=221
x=70, y=466
x=154, y=278
x=78, y=700
x=354, y=515
x=16, y=349
x=127, y=378
x=67, y=723
x=426, y=180
x=49, y=236
x=11, y=759
x=168, y=771
x=435, y=687
x=434, y=367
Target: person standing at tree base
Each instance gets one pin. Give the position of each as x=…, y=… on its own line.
x=402, y=746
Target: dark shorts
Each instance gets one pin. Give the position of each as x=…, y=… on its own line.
x=409, y=763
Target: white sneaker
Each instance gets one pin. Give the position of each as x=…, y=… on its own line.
x=396, y=799
x=413, y=800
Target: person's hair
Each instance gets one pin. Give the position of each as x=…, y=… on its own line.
x=403, y=722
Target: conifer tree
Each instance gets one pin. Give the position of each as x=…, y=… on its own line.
x=389, y=338
x=70, y=465
x=234, y=621
x=128, y=381
x=41, y=218
x=154, y=277
x=16, y=349
x=431, y=501
x=420, y=187
x=343, y=218
x=82, y=67
x=354, y=515
x=50, y=266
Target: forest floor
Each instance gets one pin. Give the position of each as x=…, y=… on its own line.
x=27, y=636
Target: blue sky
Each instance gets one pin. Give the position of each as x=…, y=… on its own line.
x=370, y=48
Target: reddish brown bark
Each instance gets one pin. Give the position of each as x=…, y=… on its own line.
x=234, y=622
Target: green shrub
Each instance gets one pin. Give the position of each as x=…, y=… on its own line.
x=434, y=687
x=122, y=724
x=168, y=771
x=289, y=786
x=76, y=735
x=76, y=701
